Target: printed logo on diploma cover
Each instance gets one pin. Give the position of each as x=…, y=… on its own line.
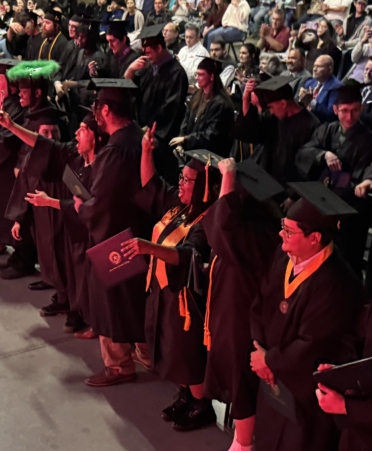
x=115, y=258
x=283, y=307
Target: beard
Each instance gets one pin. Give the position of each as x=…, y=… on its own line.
x=48, y=34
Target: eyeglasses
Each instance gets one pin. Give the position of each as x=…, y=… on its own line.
x=185, y=180
x=287, y=232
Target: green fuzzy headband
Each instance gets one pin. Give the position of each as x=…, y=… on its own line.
x=33, y=69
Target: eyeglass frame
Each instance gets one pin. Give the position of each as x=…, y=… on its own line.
x=185, y=180
x=287, y=232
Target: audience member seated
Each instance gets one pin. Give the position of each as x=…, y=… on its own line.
x=274, y=38
x=100, y=9
x=320, y=42
x=367, y=95
x=319, y=93
x=6, y=12
x=189, y=55
x=336, y=9
x=180, y=11
x=360, y=55
x=296, y=68
x=114, y=12
x=353, y=27
x=219, y=52
x=214, y=19
x=159, y=15
x=289, y=7
x=134, y=20
x=204, y=8
x=313, y=13
x=258, y=14
x=171, y=38
x=234, y=23
x=270, y=64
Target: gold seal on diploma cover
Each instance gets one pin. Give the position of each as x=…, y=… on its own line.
x=115, y=258
x=283, y=307
x=276, y=390
x=77, y=190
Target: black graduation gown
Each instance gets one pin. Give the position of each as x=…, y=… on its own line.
x=115, y=67
x=353, y=150
x=161, y=99
x=67, y=62
x=9, y=147
x=212, y=130
x=280, y=140
x=49, y=233
x=49, y=158
x=321, y=316
x=357, y=435
x=33, y=46
x=177, y=355
x=118, y=312
x=55, y=53
x=244, y=247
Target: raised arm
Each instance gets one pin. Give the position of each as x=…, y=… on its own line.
x=22, y=133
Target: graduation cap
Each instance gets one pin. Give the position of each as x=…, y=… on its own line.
x=54, y=15
x=46, y=116
x=212, y=66
x=152, y=35
x=275, y=89
x=319, y=208
x=111, y=89
x=117, y=28
x=33, y=74
x=33, y=16
x=7, y=63
x=349, y=93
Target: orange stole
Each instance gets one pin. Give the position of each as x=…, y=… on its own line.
x=174, y=238
x=291, y=287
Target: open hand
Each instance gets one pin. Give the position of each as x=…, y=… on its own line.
x=177, y=141
x=39, y=199
x=332, y=161
x=134, y=247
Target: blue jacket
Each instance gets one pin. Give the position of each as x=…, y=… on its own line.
x=115, y=15
x=323, y=109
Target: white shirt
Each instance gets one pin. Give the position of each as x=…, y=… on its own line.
x=299, y=267
x=332, y=15
x=190, y=61
x=237, y=16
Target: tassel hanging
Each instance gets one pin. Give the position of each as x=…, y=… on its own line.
x=184, y=309
x=206, y=190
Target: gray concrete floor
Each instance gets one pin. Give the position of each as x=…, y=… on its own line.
x=45, y=405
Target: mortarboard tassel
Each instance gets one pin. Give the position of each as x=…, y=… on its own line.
x=207, y=334
x=206, y=191
x=184, y=309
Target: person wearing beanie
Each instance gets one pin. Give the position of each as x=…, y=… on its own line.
x=306, y=309
x=338, y=154
x=209, y=119
x=174, y=306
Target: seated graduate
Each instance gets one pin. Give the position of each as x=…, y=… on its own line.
x=356, y=412
x=281, y=133
x=339, y=155
x=307, y=305
x=209, y=118
x=174, y=310
x=47, y=160
x=242, y=230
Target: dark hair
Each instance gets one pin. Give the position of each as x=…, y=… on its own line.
x=254, y=53
x=121, y=110
x=221, y=42
x=90, y=34
x=194, y=27
x=326, y=236
x=329, y=34
x=300, y=50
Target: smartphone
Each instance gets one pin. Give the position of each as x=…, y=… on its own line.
x=312, y=25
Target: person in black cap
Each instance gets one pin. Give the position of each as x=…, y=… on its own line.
x=49, y=233
x=159, y=15
x=47, y=160
x=120, y=55
x=281, y=133
x=9, y=146
x=163, y=86
x=307, y=305
x=116, y=314
x=338, y=154
x=174, y=307
x=242, y=230
x=35, y=37
x=209, y=118
x=54, y=42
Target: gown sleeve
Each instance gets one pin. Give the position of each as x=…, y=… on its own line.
x=77, y=231
x=157, y=197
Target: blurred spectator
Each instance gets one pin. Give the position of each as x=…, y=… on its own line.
x=171, y=37
x=189, y=54
x=289, y=7
x=276, y=37
x=180, y=11
x=314, y=12
x=219, y=52
x=134, y=18
x=6, y=12
x=100, y=9
x=270, y=64
x=296, y=68
x=360, y=55
x=353, y=26
x=234, y=23
x=159, y=15
x=258, y=14
x=319, y=93
x=214, y=19
x=367, y=94
x=115, y=11
x=336, y=9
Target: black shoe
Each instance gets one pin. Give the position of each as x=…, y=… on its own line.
x=38, y=286
x=11, y=273
x=180, y=406
x=74, y=323
x=199, y=414
x=55, y=308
